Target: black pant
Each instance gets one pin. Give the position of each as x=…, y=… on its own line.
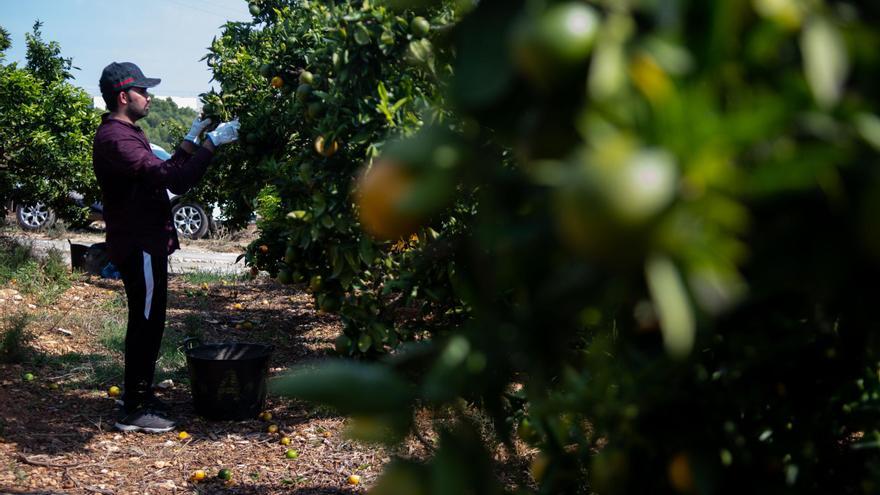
x=146, y=286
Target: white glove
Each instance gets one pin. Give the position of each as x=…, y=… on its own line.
x=198, y=126
x=226, y=132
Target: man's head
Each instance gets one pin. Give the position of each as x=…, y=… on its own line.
x=124, y=88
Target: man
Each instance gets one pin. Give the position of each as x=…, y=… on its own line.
x=140, y=233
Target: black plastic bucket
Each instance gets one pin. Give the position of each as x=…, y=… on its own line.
x=77, y=256
x=228, y=381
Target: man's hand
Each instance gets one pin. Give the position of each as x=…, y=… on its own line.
x=226, y=132
x=198, y=126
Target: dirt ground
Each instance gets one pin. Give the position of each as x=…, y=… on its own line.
x=56, y=431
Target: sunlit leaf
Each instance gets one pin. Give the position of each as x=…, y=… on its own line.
x=673, y=306
x=826, y=63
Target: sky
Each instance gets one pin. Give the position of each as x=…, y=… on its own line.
x=165, y=38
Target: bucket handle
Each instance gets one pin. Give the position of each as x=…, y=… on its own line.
x=191, y=343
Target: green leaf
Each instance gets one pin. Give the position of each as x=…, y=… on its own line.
x=399, y=103
x=366, y=251
x=868, y=126
x=351, y=388
x=383, y=93
x=826, y=63
x=673, y=306
x=365, y=342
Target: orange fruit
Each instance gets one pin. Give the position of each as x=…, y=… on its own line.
x=266, y=416
x=284, y=276
x=538, y=467
x=419, y=26
x=681, y=477
x=264, y=248
x=198, y=475
x=379, y=192
x=183, y=435
x=285, y=441
x=277, y=82
x=114, y=391
x=342, y=344
x=272, y=429
x=354, y=479
x=555, y=41
x=325, y=150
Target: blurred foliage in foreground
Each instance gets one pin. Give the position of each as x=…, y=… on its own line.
x=672, y=270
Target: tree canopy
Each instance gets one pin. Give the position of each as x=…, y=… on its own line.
x=167, y=123
x=47, y=131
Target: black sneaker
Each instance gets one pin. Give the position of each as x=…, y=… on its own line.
x=146, y=420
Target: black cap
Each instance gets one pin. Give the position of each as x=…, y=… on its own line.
x=124, y=75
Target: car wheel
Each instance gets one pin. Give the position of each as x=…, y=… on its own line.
x=34, y=217
x=190, y=220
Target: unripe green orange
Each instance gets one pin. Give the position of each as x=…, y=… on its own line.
x=419, y=26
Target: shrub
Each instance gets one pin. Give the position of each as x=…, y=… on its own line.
x=14, y=339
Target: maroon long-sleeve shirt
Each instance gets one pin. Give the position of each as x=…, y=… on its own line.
x=133, y=181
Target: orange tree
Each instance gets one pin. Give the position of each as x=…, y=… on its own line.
x=672, y=257
x=47, y=129
x=321, y=88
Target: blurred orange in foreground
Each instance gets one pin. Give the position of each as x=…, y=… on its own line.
x=380, y=192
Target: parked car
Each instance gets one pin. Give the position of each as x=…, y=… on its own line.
x=190, y=218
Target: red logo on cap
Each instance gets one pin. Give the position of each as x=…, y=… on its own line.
x=124, y=82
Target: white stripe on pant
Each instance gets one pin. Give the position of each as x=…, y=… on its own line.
x=148, y=282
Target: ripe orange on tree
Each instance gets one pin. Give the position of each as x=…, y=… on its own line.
x=681, y=476
x=277, y=82
x=324, y=149
x=379, y=193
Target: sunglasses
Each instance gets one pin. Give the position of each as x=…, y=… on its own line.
x=140, y=91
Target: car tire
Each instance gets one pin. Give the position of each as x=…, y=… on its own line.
x=190, y=220
x=34, y=217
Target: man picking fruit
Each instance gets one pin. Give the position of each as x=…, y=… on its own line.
x=140, y=233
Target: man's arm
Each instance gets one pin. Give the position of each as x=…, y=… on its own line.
x=191, y=148
x=179, y=173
